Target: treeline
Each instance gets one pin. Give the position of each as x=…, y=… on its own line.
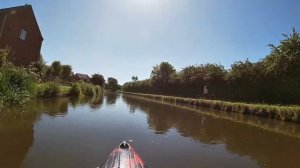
x=273, y=79
x=64, y=74
x=20, y=84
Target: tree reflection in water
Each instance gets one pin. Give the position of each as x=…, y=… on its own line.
x=111, y=98
x=17, y=125
x=267, y=147
x=56, y=106
x=96, y=102
x=16, y=135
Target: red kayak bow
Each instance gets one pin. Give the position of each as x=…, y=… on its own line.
x=124, y=156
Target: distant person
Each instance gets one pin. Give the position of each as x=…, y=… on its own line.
x=205, y=91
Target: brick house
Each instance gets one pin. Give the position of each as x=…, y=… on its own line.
x=20, y=32
x=82, y=77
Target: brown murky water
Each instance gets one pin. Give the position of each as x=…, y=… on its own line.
x=74, y=133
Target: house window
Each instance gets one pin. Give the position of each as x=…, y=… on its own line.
x=23, y=34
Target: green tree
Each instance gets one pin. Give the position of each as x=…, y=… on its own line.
x=162, y=73
x=66, y=72
x=284, y=59
x=273, y=79
x=98, y=79
x=56, y=68
x=202, y=73
x=134, y=78
x=112, y=84
x=244, y=78
x=243, y=72
x=282, y=69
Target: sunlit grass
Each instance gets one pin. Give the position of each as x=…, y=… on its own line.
x=284, y=113
x=64, y=89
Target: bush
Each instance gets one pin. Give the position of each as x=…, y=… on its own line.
x=75, y=90
x=48, y=90
x=16, y=86
x=88, y=89
x=64, y=90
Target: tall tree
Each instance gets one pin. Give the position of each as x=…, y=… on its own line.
x=134, y=78
x=98, y=79
x=162, y=73
x=66, y=72
x=112, y=84
x=56, y=68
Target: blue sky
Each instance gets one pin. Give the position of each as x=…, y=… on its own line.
x=122, y=38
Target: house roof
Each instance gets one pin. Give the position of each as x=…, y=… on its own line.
x=16, y=8
x=4, y=10
x=82, y=76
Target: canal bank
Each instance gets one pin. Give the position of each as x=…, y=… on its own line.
x=274, y=126
x=283, y=113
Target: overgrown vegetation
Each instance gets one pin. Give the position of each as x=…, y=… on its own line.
x=284, y=113
x=112, y=85
x=16, y=85
x=87, y=89
x=79, y=89
x=75, y=90
x=273, y=79
x=19, y=84
x=50, y=89
x=55, y=72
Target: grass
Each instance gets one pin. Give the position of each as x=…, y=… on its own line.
x=284, y=113
x=64, y=90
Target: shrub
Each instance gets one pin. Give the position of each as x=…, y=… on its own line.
x=88, y=89
x=75, y=90
x=48, y=90
x=16, y=86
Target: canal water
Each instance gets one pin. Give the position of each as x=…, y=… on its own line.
x=80, y=133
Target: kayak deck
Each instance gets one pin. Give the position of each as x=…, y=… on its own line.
x=124, y=156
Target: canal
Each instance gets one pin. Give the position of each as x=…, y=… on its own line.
x=81, y=132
